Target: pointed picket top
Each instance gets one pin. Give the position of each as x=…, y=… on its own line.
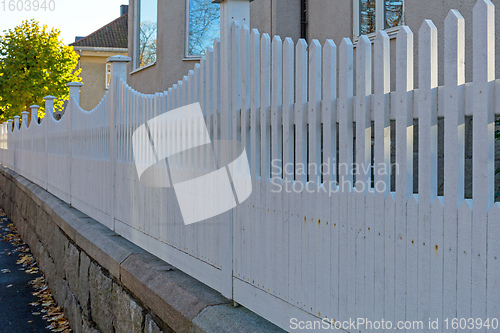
x=315, y=71
x=254, y=69
x=301, y=72
x=49, y=98
x=495, y=211
x=363, y=66
x=465, y=207
x=245, y=31
x=382, y=62
x=428, y=55
x=277, y=68
x=484, y=41
x=288, y=101
x=404, y=59
x=235, y=24
x=454, y=49
x=390, y=200
x=288, y=72
x=346, y=68
x=265, y=71
x=329, y=71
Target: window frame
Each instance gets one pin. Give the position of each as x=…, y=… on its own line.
x=187, y=56
x=137, y=34
x=379, y=20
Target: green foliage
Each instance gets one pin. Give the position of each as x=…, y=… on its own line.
x=34, y=63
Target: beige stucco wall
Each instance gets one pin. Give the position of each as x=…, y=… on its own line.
x=170, y=66
x=276, y=17
x=93, y=65
x=327, y=19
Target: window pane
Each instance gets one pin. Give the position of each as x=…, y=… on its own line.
x=204, y=25
x=393, y=13
x=367, y=17
x=147, y=32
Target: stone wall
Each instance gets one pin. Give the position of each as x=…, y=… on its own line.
x=107, y=284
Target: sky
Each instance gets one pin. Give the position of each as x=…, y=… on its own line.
x=71, y=17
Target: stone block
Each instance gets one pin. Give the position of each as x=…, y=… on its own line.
x=150, y=325
x=83, y=282
x=73, y=313
x=128, y=315
x=226, y=318
x=172, y=295
x=106, y=247
x=71, y=266
x=101, y=288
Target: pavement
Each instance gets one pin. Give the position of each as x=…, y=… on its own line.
x=16, y=313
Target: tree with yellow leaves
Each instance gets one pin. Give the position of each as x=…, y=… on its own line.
x=34, y=62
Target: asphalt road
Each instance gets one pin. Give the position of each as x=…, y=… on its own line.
x=16, y=293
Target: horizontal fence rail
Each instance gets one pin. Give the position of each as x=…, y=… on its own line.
x=334, y=227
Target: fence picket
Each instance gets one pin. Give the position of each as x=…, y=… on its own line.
x=404, y=157
x=483, y=181
x=328, y=289
x=345, y=175
x=288, y=159
x=382, y=159
x=245, y=140
x=275, y=202
x=265, y=156
x=363, y=163
x=454, y=136
x=255, y=151
x=427, y=186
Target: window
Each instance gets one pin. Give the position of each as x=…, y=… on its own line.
x=145, y=32
x=202, y=26
x=374, y=15
x=108, y=76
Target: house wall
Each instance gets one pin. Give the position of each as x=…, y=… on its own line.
x=276, y=17
x=93, y=65
x=170, y=47
x=334, y=20
x=327, y=19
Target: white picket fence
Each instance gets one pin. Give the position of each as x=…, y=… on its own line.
x=356, y=252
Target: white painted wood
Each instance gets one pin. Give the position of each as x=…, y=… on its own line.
x=328, y=303
x=265, y=270
x=289, y=226
x=382, y=161
x=363, y=165
x=300, y=117
x=454, y=136
x=276, y=203
x=346, y=264
x=404, y=157
x=483, y=146
x=493, y=294
x=245, y=223
x=255, y=155
x=427, y=162
x=314, y=181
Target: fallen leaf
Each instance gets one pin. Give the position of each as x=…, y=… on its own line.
x=10, y=285
x=5, y=270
